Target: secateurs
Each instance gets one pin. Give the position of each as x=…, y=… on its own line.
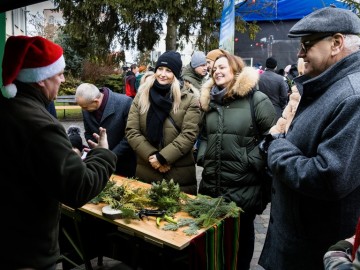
x=159, y=214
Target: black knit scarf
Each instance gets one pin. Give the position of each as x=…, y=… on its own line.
x=160, y=106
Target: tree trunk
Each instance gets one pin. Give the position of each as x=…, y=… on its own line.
x=171, y=33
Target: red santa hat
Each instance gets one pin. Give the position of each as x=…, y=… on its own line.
x=28, y=60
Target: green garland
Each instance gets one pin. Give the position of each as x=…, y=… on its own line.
x=166, y=195
x=206, y=211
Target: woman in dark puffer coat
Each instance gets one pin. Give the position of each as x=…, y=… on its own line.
x=228, y=150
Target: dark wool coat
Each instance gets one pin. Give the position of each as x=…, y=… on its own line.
x=39, y=170
x=316, y=196
x=114, y=119
x=177, y=149
x=275, y=87
x=228, y=149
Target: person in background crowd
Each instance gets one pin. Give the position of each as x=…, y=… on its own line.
x=287, y=70
x=274, y=86
x=147, y=75
x=194, y=74
x=316, y=184
x=228, y=150
x=291, y=74
x=105, y=108
x=163, y=125
x=51, y=109
x=125, y=70
x=345, y=254
x=130, y=88
x=258, y=66
x=281, y=72
x=142, y=70
x=39, y=169
x=300, y=66
x=293, y=71
x=211, y=57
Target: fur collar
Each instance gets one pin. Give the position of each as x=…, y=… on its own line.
x=244, y=83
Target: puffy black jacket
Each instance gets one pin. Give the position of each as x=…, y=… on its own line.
x=228, y=150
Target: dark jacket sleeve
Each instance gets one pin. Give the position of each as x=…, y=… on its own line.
x=62, y=172
x=265, y=117
x=339, y=257
x=122, y=147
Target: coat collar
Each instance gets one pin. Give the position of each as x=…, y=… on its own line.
x=245, y=82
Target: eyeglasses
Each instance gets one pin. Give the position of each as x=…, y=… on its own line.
x=306, y=45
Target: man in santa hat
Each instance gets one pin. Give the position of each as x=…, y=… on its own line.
x=39, y=169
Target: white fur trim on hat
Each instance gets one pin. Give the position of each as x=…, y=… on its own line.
x=9, y=91
x=41, y=73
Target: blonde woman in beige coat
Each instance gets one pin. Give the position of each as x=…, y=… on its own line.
x=163, y=125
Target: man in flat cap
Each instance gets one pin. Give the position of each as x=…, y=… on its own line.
x=316, y=165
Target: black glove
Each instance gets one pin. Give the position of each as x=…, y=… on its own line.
x=265, y=143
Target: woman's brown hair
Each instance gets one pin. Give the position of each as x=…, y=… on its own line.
x=236, y=65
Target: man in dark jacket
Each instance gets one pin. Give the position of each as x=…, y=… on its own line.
x=104, y=108
x=39, y=169
x=274, y=86
x=316, y=167
x=194, y=74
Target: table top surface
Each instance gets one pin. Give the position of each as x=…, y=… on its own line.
x=145, y=228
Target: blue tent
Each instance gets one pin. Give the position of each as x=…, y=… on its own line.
x=280, y=10
x=275, y=18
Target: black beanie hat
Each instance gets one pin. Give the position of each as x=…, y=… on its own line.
x=171, y=60
x=271, y=63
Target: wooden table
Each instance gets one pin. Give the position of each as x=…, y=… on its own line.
x=177, y=243
x=145, y=228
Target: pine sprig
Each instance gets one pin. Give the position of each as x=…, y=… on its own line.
x=108, y=190
x=192, y=229
x=123, y=198
x=170, y=227
x=165, y=195
x=207, y=210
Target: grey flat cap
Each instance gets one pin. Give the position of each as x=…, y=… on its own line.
x=327, y=20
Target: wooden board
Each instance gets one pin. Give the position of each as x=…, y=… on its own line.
x=67, y=107
x=145, y=228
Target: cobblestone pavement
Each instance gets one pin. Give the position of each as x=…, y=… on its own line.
x=261, y=225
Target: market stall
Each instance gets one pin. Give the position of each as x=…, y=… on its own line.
x=141, y=243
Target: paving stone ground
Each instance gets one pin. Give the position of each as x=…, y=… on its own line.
x=261, y=225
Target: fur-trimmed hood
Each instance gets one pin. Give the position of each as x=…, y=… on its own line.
x=245, y=82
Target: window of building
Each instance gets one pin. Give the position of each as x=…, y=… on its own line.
x=16, y=17
x=22, y=22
